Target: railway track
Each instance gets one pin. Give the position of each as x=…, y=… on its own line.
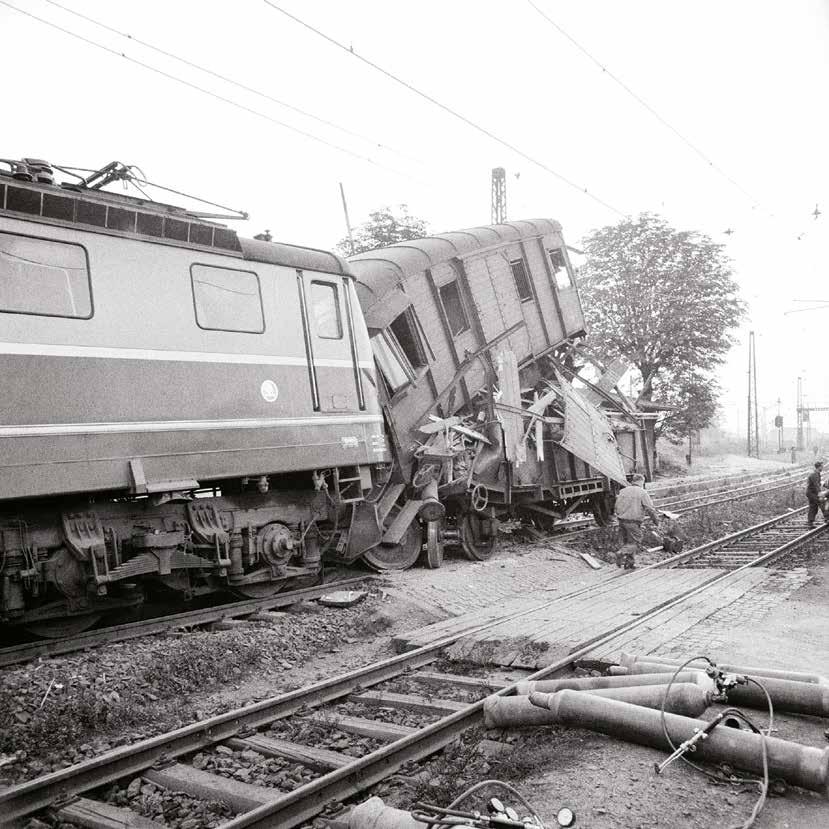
x=363, y=703
x=52, y=647
x=717, y=494
x=26, y=651
x=757, y=546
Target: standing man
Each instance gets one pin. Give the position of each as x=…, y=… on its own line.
x=632, y=504
x=813, y=494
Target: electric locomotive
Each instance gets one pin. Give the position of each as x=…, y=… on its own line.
x=183, y=409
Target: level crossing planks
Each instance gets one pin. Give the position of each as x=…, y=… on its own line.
x=561, y=625
x=673, y=622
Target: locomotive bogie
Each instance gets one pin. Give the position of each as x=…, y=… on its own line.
x=93, y=559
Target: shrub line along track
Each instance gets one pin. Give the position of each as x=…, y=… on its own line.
x=292, y=809
x=190, y=618
x=119, y=633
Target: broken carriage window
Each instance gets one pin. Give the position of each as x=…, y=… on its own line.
x=408, y=334
x=325, y=309
x=560, y=269
x=390, y=360
x=522, y=280
x=450, y=296
x=44, y=277
x=400, y=349
x=227, y=300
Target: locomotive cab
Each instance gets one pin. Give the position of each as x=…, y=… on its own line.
x=184, y=409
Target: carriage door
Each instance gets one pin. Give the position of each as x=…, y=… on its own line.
x=329, y=343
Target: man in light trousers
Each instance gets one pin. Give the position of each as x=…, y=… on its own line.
x=632, y=505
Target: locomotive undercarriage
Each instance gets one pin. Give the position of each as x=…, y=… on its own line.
x=66, y=565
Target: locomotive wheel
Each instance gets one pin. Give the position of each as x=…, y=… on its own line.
x=477, y=539
x=434, y=544
x=398, y=556
x=67, y=626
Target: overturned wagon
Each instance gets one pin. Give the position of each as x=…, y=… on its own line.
x=476, y=335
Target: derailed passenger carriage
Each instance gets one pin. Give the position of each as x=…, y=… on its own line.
x=183, y=409
x=476, y=335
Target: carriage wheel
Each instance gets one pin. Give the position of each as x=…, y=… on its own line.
x=477, y=536
x=434, y=544
x=396, y=556
x=600, y=504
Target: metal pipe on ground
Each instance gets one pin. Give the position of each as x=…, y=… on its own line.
x=797, y=764
x=792, y=697
x=684, y=698
x=628, y=659
x=589, y=683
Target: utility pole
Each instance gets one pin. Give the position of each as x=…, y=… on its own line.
x=800, y=414
x=753, y=434
x=499, y=195
x=347, y=221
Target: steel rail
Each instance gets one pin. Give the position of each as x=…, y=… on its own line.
x=39, y=793
x=734, y=494
x=132, y=630
x=722, y=498
x=731, y=537
x=307, y=801
x=726, y=480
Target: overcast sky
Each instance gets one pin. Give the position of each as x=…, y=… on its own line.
x=744, y=81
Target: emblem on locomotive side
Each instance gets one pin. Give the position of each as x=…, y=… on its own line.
x=269, y=391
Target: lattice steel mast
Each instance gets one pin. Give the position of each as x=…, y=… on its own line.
x=499, y=195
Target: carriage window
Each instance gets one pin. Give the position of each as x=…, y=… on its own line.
x=450, y=296
x=325, y=309
x=44, y=277
x=227, y=300
x=560, y=269
x=408, y=335
x=522, y=281
x=390, y=362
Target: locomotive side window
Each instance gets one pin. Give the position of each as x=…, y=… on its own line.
x=560, y=269
x=450, y=296
x=227, y=300
x=522, y=281
x=325, y=309
x=44, y=277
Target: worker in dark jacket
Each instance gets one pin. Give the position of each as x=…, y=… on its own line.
x=632, y=505
x=813, y=488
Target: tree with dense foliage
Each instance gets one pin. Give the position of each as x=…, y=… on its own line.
x=384, y=227
x=665, y=300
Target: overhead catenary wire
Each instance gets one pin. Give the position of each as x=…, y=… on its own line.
x=755, y=202
x=450, y=110
x=205, y=91
x=229, y=80
x=638, y=98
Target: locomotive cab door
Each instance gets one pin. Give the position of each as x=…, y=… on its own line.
x=329, y=343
